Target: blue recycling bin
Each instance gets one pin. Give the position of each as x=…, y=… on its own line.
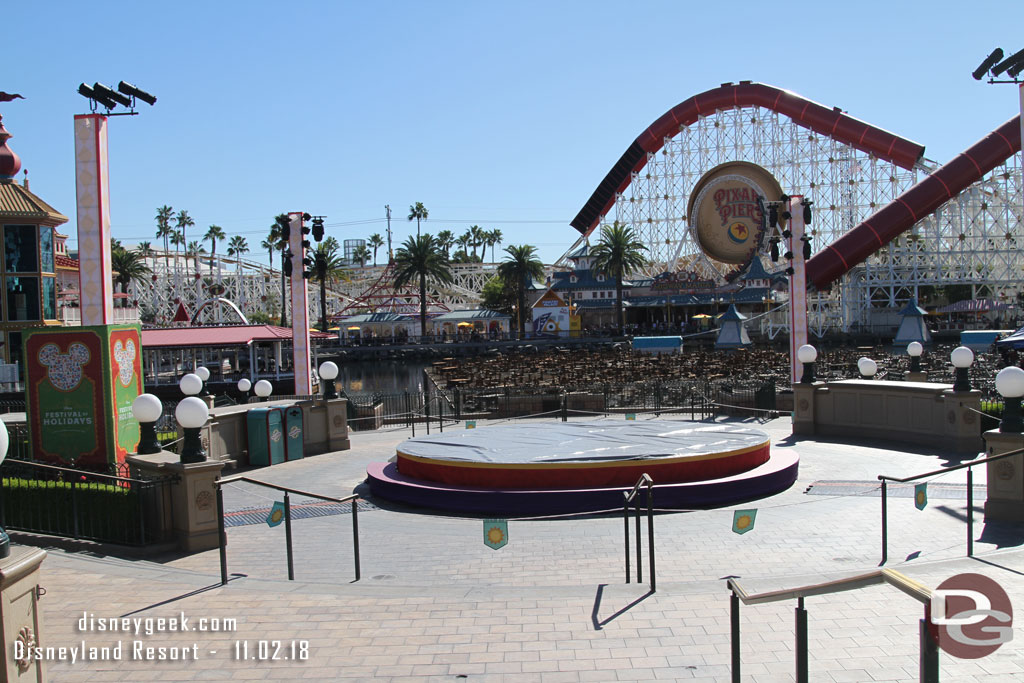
x=265, y=428
x=293, y=433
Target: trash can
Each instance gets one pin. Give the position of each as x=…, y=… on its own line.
x=293, y=432
x=266, y=436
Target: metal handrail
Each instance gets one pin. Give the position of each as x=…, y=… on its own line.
x=929, y=651
x=222, y=532
x=885, y=479
x=630, y=496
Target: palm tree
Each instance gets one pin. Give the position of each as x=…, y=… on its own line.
x=419, y=212
x=164, y=230
x=281, y=223
x=270, y=244
x=127, y=266
x=327, y=265
x=145, y=249
x=494, y=238
x=361, y=254
x=421, y=257
x=183, y=221
x=238, y=246
x=178, y=240
x=194, y=249
x=618, y=254
x=476, y=238
x=463, y=241
x=376, y=242
x=521, y=266
x=446, y=239
x=213, y=234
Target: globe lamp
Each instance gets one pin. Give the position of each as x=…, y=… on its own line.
x=914, y=350
x=147, y=409
x=961, y=358
x=203, y=373
x=1010, y=384
x=263, y=389
x=867, y=367
x=190, y=384
x=192, y=414
x=807, y=354
x=329, y=373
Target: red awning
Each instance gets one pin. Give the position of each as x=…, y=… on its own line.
x=228, y=335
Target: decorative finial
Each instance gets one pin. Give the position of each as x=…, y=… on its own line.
x=9, y=97
x=10, y=164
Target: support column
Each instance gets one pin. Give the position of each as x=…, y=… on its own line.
x=93, y=206
x=300, y=310
x=797, y=288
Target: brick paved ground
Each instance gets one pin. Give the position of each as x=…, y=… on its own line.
x=436, y=604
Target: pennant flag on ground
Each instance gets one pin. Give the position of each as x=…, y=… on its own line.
x=920, y=496
x=276, y=515
x=495, y=533
x=470, y=424
x=630, y=416
x=743, y=520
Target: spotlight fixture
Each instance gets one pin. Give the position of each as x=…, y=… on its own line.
x=790, y=271
x=989, y=62
x=787, y=234
x=775, y=250
x=1007, y=63
x=112, y=95
x=807, y=211
x=773, y=216
x=789, y=255
x=807, y=247
x=318, y=227
x=89, y=93
x=137, y=93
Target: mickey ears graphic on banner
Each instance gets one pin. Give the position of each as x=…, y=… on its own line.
x=276, y=515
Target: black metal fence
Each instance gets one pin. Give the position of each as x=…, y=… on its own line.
x=80, y=504
x=696, y=399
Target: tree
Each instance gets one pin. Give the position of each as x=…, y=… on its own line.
x=463, y=241
x=178, y=240
x=419, y=258
x=419, y=212
x=375, y=242
x=164, y=230
x=238, y=246
x=194, y=249
x=498, y=294
x=618, y=254
x=494, y=238
x=361, y=254
x=476, y=237
x=327, y=266
x=128, y=266
x=145, y=249
x=521, y=267
x=445, y=239
x=182, y=222
x=212, y=235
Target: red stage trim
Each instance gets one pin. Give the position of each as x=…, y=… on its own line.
x=584, y=474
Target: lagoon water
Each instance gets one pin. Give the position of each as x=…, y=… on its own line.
x=383, y=376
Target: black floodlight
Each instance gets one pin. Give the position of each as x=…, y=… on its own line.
x=807, y=211
x=286, y=231
x=96, y=97
x=989, y=62
x=773, y=216
x=112, y=95
x=132, y=91
x=318, y=228
x=807, y=247
x=1007, y=63
x=306, y=217
x=789, y=256
x=1015, y=69
x=775, y=250
x=286, y=265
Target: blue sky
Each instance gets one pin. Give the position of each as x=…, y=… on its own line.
x=505, y=115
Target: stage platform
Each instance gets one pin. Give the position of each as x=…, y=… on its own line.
x=551, y=468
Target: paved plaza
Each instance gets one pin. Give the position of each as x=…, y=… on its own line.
x=435, y=603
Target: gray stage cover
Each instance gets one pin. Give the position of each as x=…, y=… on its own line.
x=594, y=441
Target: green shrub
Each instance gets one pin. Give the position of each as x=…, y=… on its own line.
x=51, y=507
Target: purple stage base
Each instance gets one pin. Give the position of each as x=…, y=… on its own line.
x=776, y=475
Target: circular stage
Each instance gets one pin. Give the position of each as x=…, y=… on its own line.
x=583, y=454
x=552, y=468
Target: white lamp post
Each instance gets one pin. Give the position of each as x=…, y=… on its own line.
x=961, y=358
x=1010, y=384
x=190, y=384
x=263, y=389
x=147, y=409
x=329, y=373
x=192, y=414
x=807, y=354
x=244, y=386
x=914, y=350
x=867, y=367
x=203, y=373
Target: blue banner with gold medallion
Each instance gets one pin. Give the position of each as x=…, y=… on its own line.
x=495, y=533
